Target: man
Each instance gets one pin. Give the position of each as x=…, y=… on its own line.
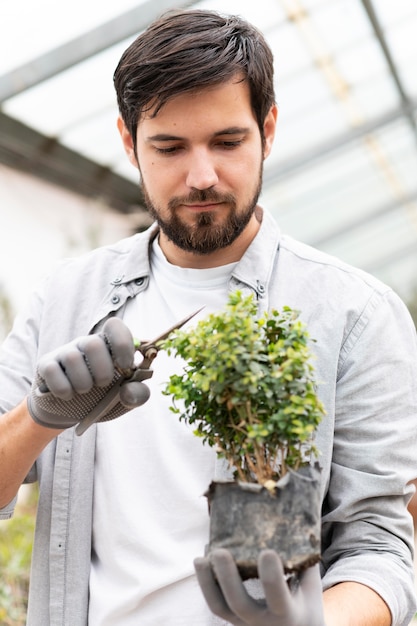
x=121, y=516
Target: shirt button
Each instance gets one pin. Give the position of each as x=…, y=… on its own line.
x=115, y=299
x=117, y=281
x=139, y=281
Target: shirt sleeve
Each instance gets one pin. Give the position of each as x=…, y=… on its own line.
x=18, y=357
x=367, y=530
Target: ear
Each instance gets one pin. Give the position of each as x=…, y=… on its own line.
x=269, y=129
x=127, y=142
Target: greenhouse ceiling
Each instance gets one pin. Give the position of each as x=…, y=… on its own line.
x=343, y=172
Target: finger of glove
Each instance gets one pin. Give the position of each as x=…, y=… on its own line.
x=310, y=581
x=277, y=595
x=98, y=359
x=234, y=592
x=134, y=394
x=120, y=342
x=66, y=373
x=310, y=588
x=212, y=592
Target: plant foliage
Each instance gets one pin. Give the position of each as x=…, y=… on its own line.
x=248, y=387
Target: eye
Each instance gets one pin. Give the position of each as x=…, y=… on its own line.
x=167, y=149
x=229, y=145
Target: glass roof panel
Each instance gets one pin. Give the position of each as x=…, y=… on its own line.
x=301, y=92
x=88, y=137
x=343, y=188
x=316, y=185
x=290, y=52
x=313, y=4
x=391, y=12
x=398, y=141
x=41, y=25
x=402, y=40
x=72, y=95
x=389, y=235
x=375, y=96
x=352, y=65
x=340, y=23
x=311, y=128
x=407, y=72
x=264, y=14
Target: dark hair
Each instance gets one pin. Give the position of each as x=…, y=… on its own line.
x=186, y=50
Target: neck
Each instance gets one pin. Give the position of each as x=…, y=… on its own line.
x=223, y=256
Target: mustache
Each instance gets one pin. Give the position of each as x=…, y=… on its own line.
x=201, y=195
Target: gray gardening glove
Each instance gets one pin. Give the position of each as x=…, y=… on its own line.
x=92, y=379
x=229, y=599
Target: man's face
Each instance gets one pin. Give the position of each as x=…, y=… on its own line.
x=200, y=160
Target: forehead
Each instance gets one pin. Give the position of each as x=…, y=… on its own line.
x=204, y=105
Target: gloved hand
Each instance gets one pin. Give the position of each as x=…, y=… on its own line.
x=229, y=599
x=92, y=379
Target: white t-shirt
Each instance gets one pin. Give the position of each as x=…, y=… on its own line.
x=150, y=517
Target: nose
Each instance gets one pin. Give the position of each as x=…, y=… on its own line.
x=201, y=170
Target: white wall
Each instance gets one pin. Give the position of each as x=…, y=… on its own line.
x=41, y=223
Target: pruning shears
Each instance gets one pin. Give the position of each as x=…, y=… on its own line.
x=149, y=350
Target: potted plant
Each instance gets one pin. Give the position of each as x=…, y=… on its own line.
x=248, y=387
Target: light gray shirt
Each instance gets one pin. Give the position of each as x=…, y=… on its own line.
x=366, y=363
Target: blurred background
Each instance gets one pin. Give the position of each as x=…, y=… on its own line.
x=342, y=175
x=343, y=172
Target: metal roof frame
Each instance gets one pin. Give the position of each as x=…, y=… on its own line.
x=82, y=48
x=27, y=150
x=379, y=34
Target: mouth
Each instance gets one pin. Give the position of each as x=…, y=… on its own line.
x=203, y=206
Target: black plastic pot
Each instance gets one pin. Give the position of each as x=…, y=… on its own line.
x=246, y=518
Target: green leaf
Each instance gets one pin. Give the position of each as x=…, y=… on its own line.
x=249, y=384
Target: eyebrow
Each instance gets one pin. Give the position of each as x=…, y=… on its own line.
x=233, y=130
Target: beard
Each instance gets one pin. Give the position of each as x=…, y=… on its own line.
x=206, y=234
